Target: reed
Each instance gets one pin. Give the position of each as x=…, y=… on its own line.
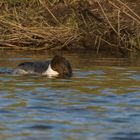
x=108, y=25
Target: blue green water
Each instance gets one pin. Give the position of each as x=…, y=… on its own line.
x=100, y=102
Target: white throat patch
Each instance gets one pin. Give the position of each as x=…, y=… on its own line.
x=50, y=72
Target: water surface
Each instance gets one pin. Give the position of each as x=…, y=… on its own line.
x=100, y=102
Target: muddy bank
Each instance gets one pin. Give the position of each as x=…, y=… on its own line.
x=109, y=25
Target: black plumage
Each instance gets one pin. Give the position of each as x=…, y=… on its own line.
x=34, y=67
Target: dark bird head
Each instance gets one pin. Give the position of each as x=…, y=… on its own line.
x=62, y=66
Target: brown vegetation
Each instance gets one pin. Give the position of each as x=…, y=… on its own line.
x=70, y=24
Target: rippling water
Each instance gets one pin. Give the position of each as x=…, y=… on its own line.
x=100, y=102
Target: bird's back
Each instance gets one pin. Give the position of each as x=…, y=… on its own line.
x=32, y=67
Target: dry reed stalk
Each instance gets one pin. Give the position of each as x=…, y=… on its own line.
x=106, y=17
x=128, y=8
x=119, y=28
x=46, y=7
x=110, y=24
x=137, y=18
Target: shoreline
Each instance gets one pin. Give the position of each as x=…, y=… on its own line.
x=105, y=26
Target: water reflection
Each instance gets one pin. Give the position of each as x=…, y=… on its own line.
x=101, y=101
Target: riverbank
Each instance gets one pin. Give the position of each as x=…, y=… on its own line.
x=111, y=25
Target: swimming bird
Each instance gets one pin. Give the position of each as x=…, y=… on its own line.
x=57, y=67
